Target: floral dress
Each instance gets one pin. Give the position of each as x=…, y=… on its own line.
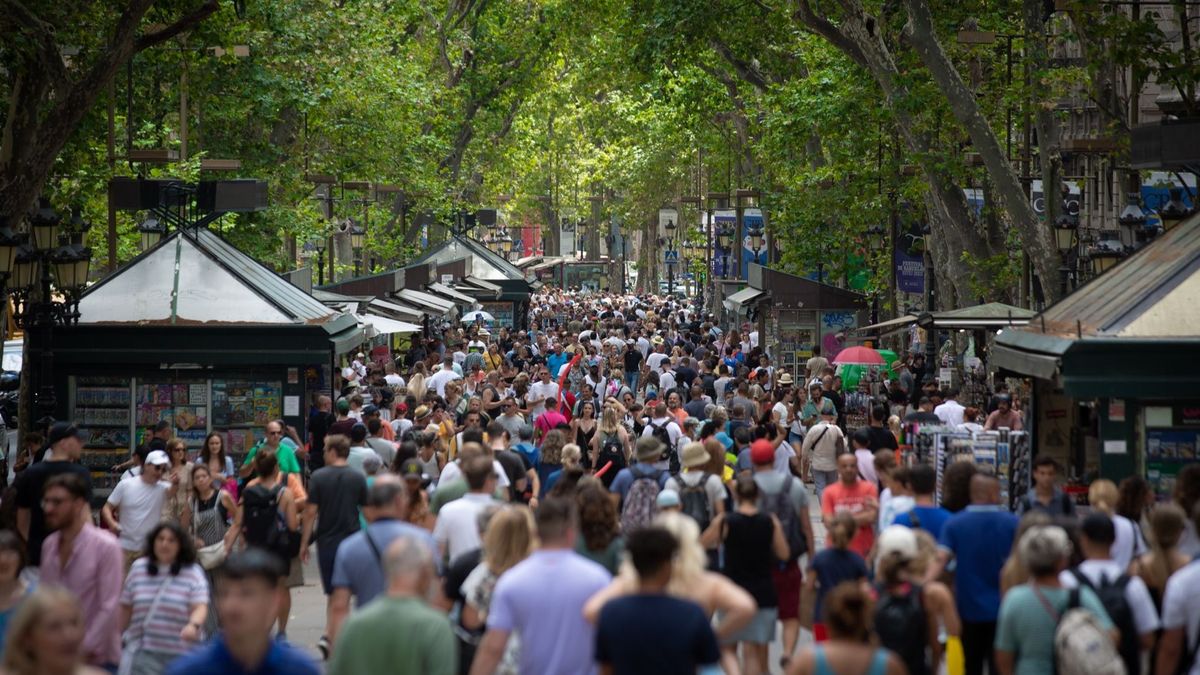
x=478, y=590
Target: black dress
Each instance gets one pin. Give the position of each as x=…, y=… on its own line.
x=584, y=440
x=749, y=557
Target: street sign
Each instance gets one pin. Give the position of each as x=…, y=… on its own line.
x=671, y=257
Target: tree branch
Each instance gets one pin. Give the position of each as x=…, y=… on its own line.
x=49, y=55
x=825, y=28
x=182, y=24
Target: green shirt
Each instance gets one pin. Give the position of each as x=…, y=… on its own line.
x=1026, y=628
x=444, y=494
x=286, y=454
x=395, y=635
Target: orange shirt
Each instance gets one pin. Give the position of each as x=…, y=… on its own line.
x=838, y=498
x=680, y=416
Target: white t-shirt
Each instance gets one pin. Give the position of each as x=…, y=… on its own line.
x=439, y=380
x=457, y=529
x=713, y=488
x=541, y=390
x=780, y=408
x=784, y=452
x=666, y=381
x=1126, y=544
x=393, y=380
x=139, y=507
x=950, y=413
x=655, y=360
x=401, y=425
x=673, y=430
x=453, y=470
x=1180, y=609
x=1137, y=596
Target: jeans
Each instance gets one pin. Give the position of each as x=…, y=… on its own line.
x=821, y=479
x=631, y=381
x=977, y=640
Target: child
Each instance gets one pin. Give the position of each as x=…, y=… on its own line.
x=834, y=565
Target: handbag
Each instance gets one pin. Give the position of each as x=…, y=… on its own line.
x=211, y=556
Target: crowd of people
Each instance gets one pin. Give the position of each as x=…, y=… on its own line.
x=623, y=487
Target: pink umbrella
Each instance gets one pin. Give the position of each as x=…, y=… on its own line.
x=862, y=356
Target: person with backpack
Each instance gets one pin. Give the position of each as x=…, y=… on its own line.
x=701, y=494
x=636, y=487
x=1041, y=628
x=909, y=616
x=754, y=543
x=610, y=444
x=1046, y=496
x=1125, y=597
x=663, y=427
x=1178, y=645
x=785, y=497
x=267, y=518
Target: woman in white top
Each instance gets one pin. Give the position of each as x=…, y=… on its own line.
x=1102, y=496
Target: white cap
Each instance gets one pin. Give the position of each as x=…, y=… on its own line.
x=158, y=457
x=896, y=539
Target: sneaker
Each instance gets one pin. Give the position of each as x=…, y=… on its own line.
x=323, y=647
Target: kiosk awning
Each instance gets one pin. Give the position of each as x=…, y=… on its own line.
x=744, y=297
x=385, y=326
x=431, y=304
x=456, y=296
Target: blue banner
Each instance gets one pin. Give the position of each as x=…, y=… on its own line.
x=910, y=270
x=752, y=219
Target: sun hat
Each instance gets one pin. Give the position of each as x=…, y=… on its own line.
x=896, y=539
x=667, y=499
x=694, y=455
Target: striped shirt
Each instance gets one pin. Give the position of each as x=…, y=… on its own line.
x=160, y=633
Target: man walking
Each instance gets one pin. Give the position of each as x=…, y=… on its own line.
x=399, y=633
x=358, y=568
x=456, y=531
x=1046, y=495
x=87, y=561
x=335, y=494
x=950, y=412
x=980, y=539
x=135, y=505
x=542, y=598
x=62, y=457
x=859, y=498
x=822, y=444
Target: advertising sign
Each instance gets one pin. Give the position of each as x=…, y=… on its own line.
x=723, y=219
x=752, y=219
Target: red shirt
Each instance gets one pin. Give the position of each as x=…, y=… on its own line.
x=839, y=498
x=549, y=420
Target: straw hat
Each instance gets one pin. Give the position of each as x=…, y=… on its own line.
x=694, y=455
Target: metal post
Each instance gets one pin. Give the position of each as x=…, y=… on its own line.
x=320, y=267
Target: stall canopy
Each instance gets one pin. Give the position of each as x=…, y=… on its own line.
x=456, y=296
x=991, y=315
x=196, y=279
x=479, y=288
x=430, y=304
x=381, y=325
x=1133, y=331
x=396, y=310
x=746, y=297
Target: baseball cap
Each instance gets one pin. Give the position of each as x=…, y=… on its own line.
x=762, y=452
x=896, y=539
x=370, y=409
x=412, y=469
x=667, y=499
x=158, y=457
x=343, y=405
x=64, y=430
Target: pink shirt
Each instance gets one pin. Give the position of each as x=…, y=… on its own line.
x=95, y=573
x=549, y=420
x=838, y=498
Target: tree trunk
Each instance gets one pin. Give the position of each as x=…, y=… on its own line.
x=857, y=37
x=1013, y=198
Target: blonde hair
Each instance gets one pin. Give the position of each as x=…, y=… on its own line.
x=19, y=656
x=416, y=383
x=571, y=454
x=1103, y=496
x=690, y=561
x=509, y=538
x=610, y=419
x=1014, y=573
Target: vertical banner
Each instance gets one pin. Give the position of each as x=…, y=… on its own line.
x=723, y=220
x=910, y=270
x=566, y=238
x=752, y=219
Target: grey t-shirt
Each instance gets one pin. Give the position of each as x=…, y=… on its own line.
x=771, y=482
x=337, y=492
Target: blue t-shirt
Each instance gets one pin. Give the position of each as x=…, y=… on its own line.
x=655, y=634
x=358, y=567
x=529, y=453
x=981, y=539
x=931, y=518
x=625, y=477
x=832, y=567
x=214, y=657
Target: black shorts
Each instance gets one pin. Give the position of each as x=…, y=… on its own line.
x=325, y=557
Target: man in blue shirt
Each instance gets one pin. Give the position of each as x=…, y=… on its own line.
x=358, y=567
x=980, y=540
x=925, y=514
x=248, y=596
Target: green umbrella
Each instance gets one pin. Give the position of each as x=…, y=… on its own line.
x=852, y=373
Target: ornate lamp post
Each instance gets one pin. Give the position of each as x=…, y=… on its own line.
x=48, y=279
x=1175, y=211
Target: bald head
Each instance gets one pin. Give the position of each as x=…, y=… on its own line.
x=409, y=566
x=985, y=489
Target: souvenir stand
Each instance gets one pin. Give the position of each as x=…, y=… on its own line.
x=1004, y=453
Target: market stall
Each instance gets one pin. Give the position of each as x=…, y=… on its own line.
x=198, y=334
x=1113, y=366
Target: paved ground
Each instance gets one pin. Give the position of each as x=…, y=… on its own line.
x=307, y=620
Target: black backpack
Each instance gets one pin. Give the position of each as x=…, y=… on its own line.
x=611, y=450
x=780, y=504
x=659, y=431
x=903, y=628
x=264, y=525
x=693, y=500
x=1112, y=596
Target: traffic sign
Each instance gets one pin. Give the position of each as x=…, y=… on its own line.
x=671, y=257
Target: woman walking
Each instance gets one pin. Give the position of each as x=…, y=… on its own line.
x=211, y=508
x=164, y=603
x=46, y=636
x=754, y=542
x=509, y=539
x=848, y=615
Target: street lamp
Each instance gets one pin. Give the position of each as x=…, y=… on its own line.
x=1133, y=222
x=320, y=244
x=10, y=243
x=358, y=238
x=876, y=238
x=1064, y=233
x=1175, y=210
x=47, y=282
x=152, y=230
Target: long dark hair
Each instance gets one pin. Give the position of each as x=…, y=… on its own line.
x=205, y=455
x=187, y=551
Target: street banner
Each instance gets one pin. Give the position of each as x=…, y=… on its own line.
x=910, y=270
x=753, y=219
x=1037, y=198
x=566, y=240
x=723, y=219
